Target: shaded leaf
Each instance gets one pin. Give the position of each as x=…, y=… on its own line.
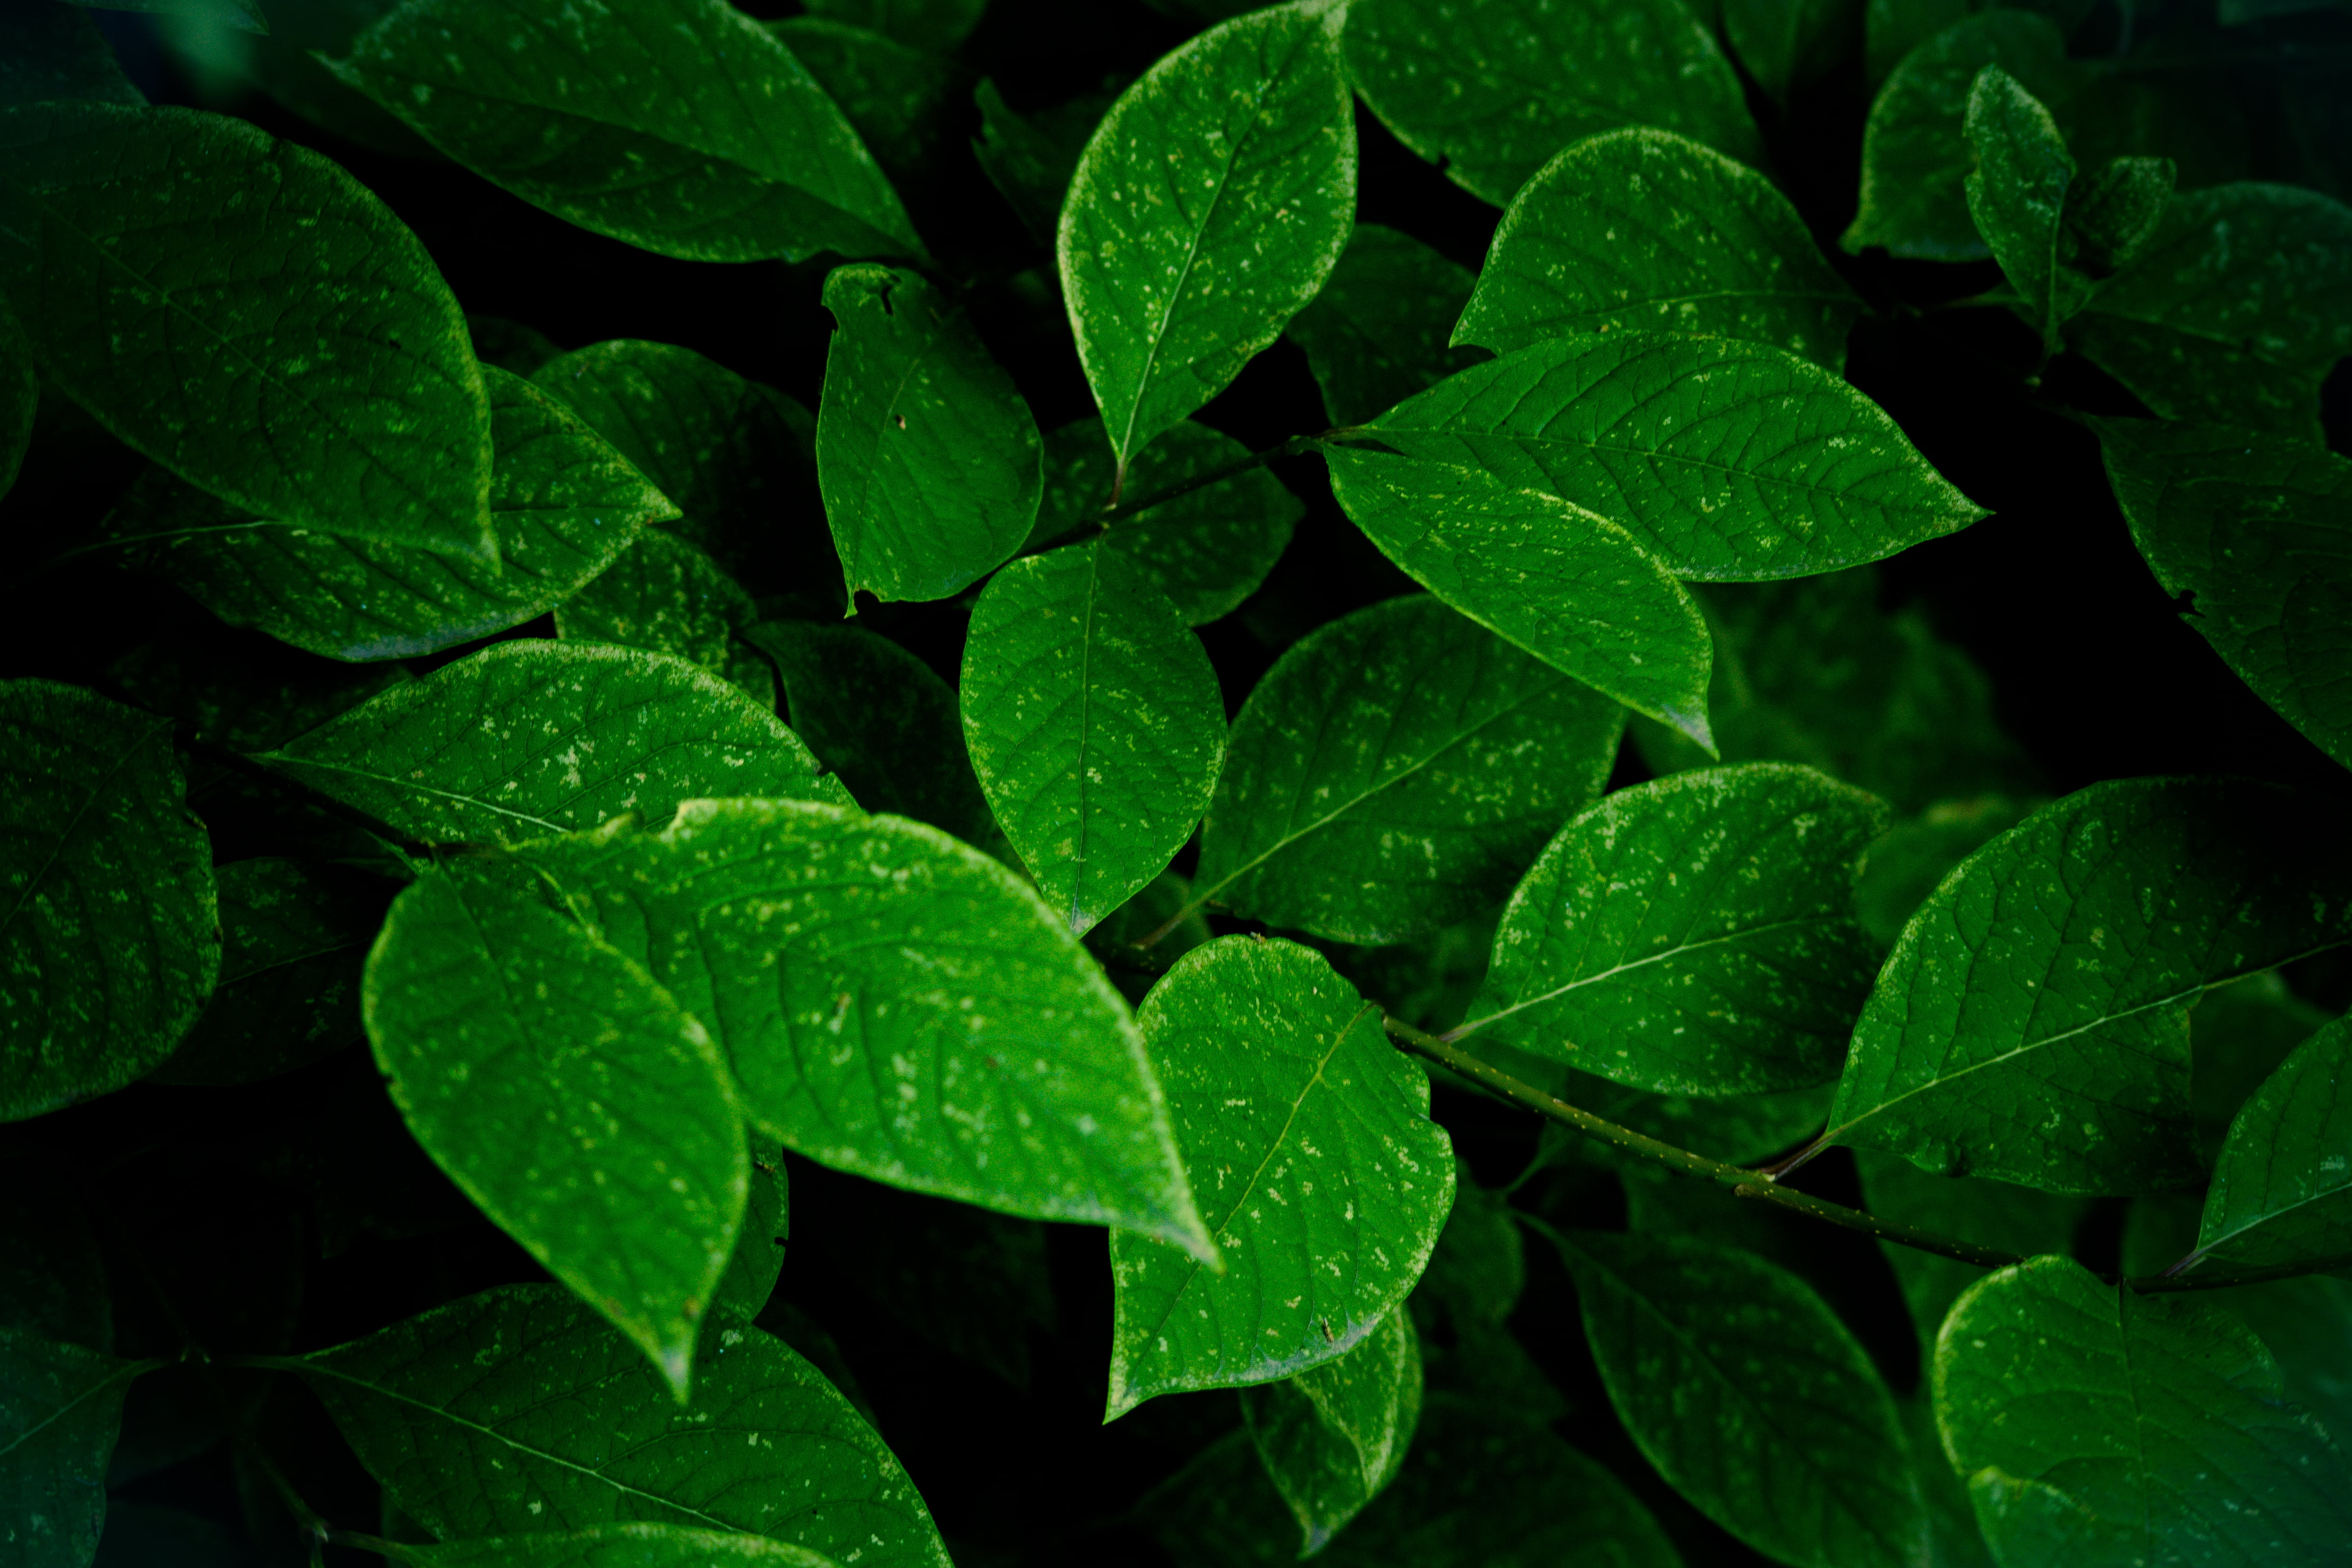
x=758, y=1259
x=1377, y=331
x=61, y=1408
x=1492, y=92
x=1991, y=1213
x=529, y=738
x=247, y=314
x=1788, y=44
x=665, y=596
x=2282, y=1192
x=1332, y=1437
x=1743, y=1130
x=681, y=126
x=894, y=92
x=1031, y=157
x=2116, y=212
x=110, y=946
x=2240, y=1034
x=1906, y=864
x=53, y=1283
x=927, y=456
x=1642, y=229
x=241, y=13
x=49, y=52
x=927, y=24
x=20, y=397
x=1209, y=206
x=286, y=64
x=616, y=1546
x=1317, y=1167
x=1166, y=901
x=2017, y=196
x=1695, y=935
x=1394, y=771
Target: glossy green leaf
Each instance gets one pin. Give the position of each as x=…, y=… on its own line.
x=1332, y=1437
x=939, y=24
x=301, y=359
x=1692, y=936
x=2033, y=1023
x=1642, y=228
x=1209, y=206
x=519, y=1411
x=880, y=721
x=1914, y=154
x=1492, y=92
x=616, y=1546
x=893, y=1004
x=564, y=505
x=1728, y=460
x=567, y=1094
x=681, y=126
x=1094, y=722
x=759, y=1260
x=665, y=596
x=1566, y=584
x=2281, y=1191
x=894, y=92
x=2099, y=1426
x=1207, y=549
x=2017, y=195
x=2254, y=527
x=1377, y=331
x=61, y=1408
x=1307, y=1138
x=927, y=456
x=108, y=947
x=49, y=52
x=1031, y=157
x=1990, y=1214
x=2233, y=311
x=1757, y=1404
x=1394, y=771
x=1788, y=44
x=530, y=738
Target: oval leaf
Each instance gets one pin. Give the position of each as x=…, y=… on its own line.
x=2017, y=196
x=1334, y=1436
x=60, y=1410
x=2281, y=1191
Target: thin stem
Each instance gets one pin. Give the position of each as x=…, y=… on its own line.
x=1119, y=510
x=2158, y=1284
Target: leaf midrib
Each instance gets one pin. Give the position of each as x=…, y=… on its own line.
x=1612, y=972
x=122, y=1373
x=56, y=850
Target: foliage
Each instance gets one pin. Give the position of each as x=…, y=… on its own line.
x=771, y=778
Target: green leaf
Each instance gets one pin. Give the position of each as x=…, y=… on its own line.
x=241, y=13
x=1692, y=936
x=1166, y=902
x=519, y=1411
x=1754, y=1401
x=1377, y=332
x=616, y=1546
x=2233, y=311
x=1743, y=1130
x=2281, y=1191
x=681, y=126
x=2017, y=195
x=759, y=1260
x=335, y=390
x=1642, y=229
x=1915, y=153
x=1905, y=865
x=20, y=398
x=1318, y=1168
x=1031, y=157
x=61, y=1408
x=893, y=1004
x=2240, y=1034
x=108, y=947
x=564, y=505
x=1991, y=1213
x=1788, y=44
x=293, y=940
x=880, y=721
x=1458, y=87
x=927, y=455
x=1209, y=205
x=2117, y=213
x=1094, y=722
x=1207, y=549
x=894, y=92
x=1332, y=1437
x=287, y=63
x=1394, y=771
x=1728, y=460
x=2254, y=527
x=1566, y=584
x=530, y=738
x=567, y=1094
x=2033, y=1023
x=49, y=52
x=927, y=24
x=664, y=596
x=2100, y=1426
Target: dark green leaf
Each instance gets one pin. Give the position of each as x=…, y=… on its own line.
x=342, y=396
x=1751, y=1398
x=1166, y=902
x=2098, y=1426
x=1990, y=1214
x=569, y=1096
x=2254, y=527
x=1743, y=1130
x=1207, y=549
x=20, y=397
x=49, y=52
x=1728, y=460
x=1318, y=1168
x=1492, y=92
x=880, y=721
x=2281, y=1191
x=1209, y=206
x=893, y=1004
x=1566, y=584
x=2033, y=1023
x=927, y=455
x=1030, y=157
x=1377, y=331
x=530, y=738
x=1094, y=722
x=2017, y=196
x=759, y=1260
x=242, y=13
x=2116, y=212
x=895, y=92
x=1692, y=936
x=682, y=126
x=519, y=1411
x=2238, y=1036
x=1480, y=1266
x=1642, y=229
x=1905, y=865
x=927, y=24
x=513, y=347
x=665, y=596
x=61, y=1408
x=286, y=64
x=1787, y=43
x=617, y=1546
x=1396, y=772
x=110, y=946
x=1332, y=1437
x=564, y=505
